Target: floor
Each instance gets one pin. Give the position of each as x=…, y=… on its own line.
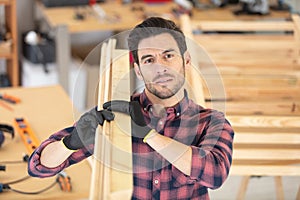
x=262, y=188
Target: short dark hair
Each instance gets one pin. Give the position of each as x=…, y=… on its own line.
x=154, y=26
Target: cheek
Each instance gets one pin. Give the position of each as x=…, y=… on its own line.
x=178, y=68
x=147, y=71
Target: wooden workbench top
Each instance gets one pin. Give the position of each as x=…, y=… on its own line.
x=47, y=110
x=120, y=17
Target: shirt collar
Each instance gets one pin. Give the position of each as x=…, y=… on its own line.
x=178, y=109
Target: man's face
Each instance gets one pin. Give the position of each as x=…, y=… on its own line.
x=161, y=66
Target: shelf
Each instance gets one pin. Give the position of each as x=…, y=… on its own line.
x=9, y=48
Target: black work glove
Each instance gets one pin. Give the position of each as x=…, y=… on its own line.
x=83, y=134
x=139, y=127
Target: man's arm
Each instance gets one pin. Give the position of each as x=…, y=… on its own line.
x=208, y=161
x=51, y=157
x=179, y=154
x=68, y=146
x=54, y=154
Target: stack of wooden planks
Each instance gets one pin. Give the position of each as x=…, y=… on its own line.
x=259, y=65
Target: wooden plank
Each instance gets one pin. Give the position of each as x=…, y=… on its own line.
x=96, y=190
x=243, y=188
x=12, y=64
x=107, y=126
x=257, y=41
x=257, y=94
x=275, y=154
x=276, y=108
x=279, y=188
x=258, y=80
x=186, y=26
x=296, y=20
x=252, y=121
x=243, y=25
x=116, y=167
x=260, y=72
x=273, y=138
x=193, y=78
x=265, y=49
x=237, y=79
x=121, y=176
x=250, y=59
x=236, y=70
x=264, y=108
x=102, y=156
x=265, y=170
x=114, y=19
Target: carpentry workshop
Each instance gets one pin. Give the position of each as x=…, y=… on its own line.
x=150, y=99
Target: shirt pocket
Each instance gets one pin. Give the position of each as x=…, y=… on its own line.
x=179, y=179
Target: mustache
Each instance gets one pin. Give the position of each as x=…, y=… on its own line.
x=166, y=75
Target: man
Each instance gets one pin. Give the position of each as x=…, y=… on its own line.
x=179, y=148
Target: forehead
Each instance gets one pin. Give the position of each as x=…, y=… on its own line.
x=159, y=42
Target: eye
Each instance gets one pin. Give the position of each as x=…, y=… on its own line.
x=168, y=56
x=148, y=61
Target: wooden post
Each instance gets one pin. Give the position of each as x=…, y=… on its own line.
x=243, y=188
x=296, y=21
x=298, y=194
x=193, y=77
x=100, y=186
x=279, y=188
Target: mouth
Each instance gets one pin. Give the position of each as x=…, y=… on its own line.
x=163, y=80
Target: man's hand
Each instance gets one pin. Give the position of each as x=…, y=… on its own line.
x=84, y=132
x=133, y=108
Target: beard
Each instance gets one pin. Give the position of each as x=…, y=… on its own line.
x=165, y=92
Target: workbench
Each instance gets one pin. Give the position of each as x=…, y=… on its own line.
x=119, y=17
x=47, y=110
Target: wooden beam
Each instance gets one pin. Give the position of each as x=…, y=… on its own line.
x=273, y=138
x=296, y=20
x=102, y=152
x=243, y=188
x=279, y=188
x=265, y=170
x=271, y=154
x=252, y=107
x=251, y=122
x=243, y=25
x=97, y=167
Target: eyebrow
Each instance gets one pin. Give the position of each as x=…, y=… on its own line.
x=148, y=55
x=168, y=50
x=145, y=56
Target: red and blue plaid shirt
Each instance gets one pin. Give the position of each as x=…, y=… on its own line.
x=207, y=132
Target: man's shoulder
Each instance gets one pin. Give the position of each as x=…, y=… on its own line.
x=203, y=111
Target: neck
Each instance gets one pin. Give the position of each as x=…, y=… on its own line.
x=169, y=102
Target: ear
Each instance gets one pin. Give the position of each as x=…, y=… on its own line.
x=187, y=59
x=138, y=71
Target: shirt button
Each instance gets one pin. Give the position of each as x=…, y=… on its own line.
x=160, y=122
x=177, y=114
x=156, y=181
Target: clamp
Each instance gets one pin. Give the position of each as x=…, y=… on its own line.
x=64, y=182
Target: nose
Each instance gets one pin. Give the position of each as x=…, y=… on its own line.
x=161, y=65
x=160, y=69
